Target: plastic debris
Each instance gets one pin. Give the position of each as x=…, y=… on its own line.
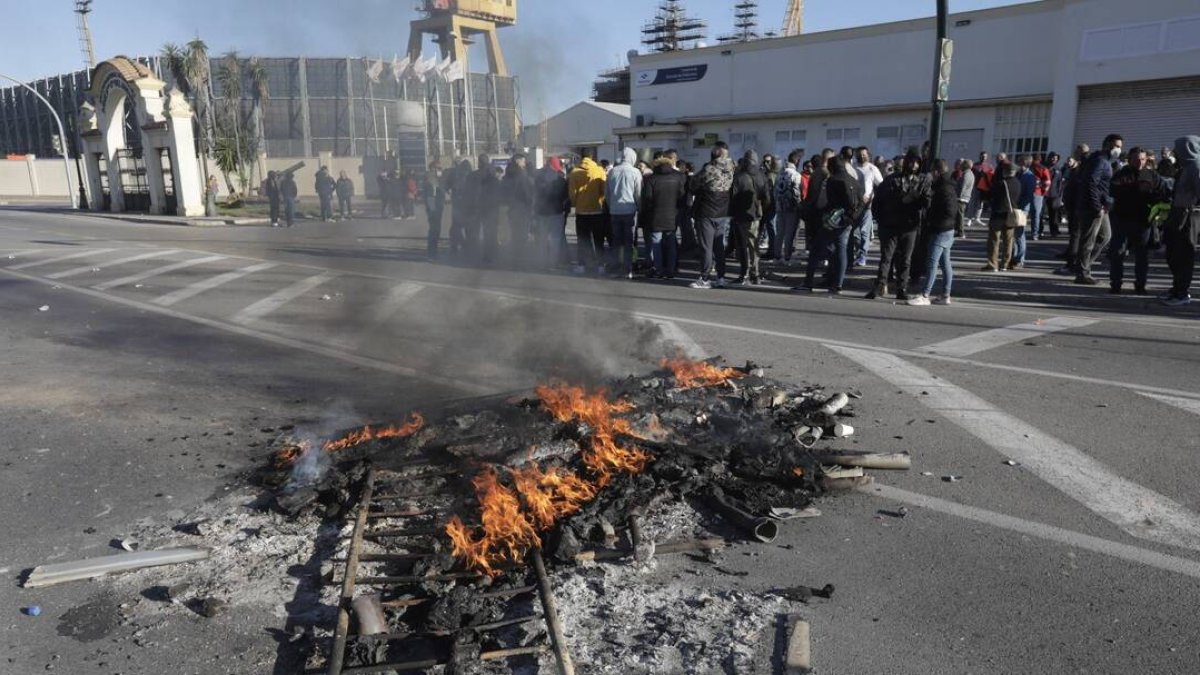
x=926, y=473
x=951, y=479
x=48, y=575
x=1012, y=462
x=44, y=308
x=32, y=610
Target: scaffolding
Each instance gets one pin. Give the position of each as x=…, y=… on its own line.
x=745, y=20
x=82, y=9
x=671, y=29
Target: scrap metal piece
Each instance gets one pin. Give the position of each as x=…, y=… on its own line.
x=57, y=573
x=550, y=611
x=799, y=651
x=762, y=529
x=834, y=404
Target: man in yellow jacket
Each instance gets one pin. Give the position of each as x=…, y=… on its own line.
x=586, y=186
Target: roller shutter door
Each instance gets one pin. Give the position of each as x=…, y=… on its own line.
x=1150, y=114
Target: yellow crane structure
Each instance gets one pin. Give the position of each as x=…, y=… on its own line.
x=793, y=21
x=453, y=22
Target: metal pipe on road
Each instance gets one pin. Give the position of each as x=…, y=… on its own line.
x=62, y=134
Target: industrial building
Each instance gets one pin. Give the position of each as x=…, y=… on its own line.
x=587, y=125
x=1029, y=77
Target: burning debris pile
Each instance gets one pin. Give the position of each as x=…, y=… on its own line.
x=444, y=572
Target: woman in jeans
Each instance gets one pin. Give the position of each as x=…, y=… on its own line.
x=941, y=219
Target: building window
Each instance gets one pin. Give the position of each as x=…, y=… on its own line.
x=844, y=136
x=735, y=139
x=1023, y=128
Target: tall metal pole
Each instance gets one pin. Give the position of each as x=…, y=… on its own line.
x=62, y=134
x=939, y=106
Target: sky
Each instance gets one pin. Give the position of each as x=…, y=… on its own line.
x=556, y=49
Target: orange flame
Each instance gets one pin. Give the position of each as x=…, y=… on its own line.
x=512, y=519
x=695, y=374
x=288, y=455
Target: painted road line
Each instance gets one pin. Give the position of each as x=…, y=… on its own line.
x=148, y=274
x=62, y=258
x=22, y=252
x=209, y=284
x=280, y=298
x=472, y=387
x=1137, y=510
x=1189, y=404
x=382, y=313
x=103, y=266
x=1030, y=528
x=998, y=337
x=673, y=334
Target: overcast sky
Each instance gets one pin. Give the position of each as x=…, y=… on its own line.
x=556, y=49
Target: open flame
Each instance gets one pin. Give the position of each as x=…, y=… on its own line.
x=288, y=455
x=694, y=374
x=512, y=519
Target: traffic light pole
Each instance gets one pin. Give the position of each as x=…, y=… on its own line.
x=62, y=134
x=939, y=105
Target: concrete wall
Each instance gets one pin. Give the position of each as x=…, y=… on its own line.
x=35, y=178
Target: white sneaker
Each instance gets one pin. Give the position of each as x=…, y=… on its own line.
x=700, y=284
x=919, y=301
x=275, y=223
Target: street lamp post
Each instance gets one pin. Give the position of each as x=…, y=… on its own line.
x=940, y=79
x=61, y=134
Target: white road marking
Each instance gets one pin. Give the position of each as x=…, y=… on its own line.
x=1086, y=542
x=322, y=350
x=62, y=258
x=998, y=337
x=672, y=333
x=382, y=313
x=209, y=284
x=280, y=298
x=165, y=269
x=1189, y=404
x=1137, y=510
x=103, y=266
x=22, y=252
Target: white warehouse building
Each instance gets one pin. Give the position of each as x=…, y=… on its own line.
x=1026, y=78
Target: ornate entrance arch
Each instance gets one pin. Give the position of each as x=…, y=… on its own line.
x=140, y=136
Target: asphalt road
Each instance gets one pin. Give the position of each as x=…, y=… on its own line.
x=142, y=388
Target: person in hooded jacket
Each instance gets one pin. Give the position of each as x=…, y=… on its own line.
x=623, y=195
x=840, y=212
x=289, y=191
x=664, y=196
x=1183, y=223
x=942, y=219
x=902, y=199
x=1002, y=227
x=586, y=186
x=463, y=204
x=749, y=200
x=517, y=187
x=551, y=206
x=711, y=187
x=1135, y=188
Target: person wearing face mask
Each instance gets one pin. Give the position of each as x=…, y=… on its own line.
x=1094, y=202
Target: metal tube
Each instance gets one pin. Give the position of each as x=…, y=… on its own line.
x=763, y=529
x=550, y=611
x=347, y=594
x=939, y=106
x=62, y=135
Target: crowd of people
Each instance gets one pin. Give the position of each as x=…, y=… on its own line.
x=640, y=216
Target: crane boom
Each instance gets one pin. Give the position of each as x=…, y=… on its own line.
x=793, y=22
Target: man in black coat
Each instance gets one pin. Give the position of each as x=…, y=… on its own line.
x=838, y=211
x=517, y=187
x=325, y=187
x=664, y=198
x=271, y=189
x=552, y=205
x=905, y=197
x=1134, y=189
x=487, y=205
x=1093, y=204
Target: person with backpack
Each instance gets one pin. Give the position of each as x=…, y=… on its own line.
x=749, y=199
x=840, y=206
x=789, y=195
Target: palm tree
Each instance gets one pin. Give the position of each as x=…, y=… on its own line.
x=229, y=75
x=175, y=59
x=261, y=93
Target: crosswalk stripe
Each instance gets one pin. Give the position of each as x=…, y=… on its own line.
x=209, y=284
x=62, y=258
x=1189, y=404
x=165, y=269
x=382, y=313
x=673, y=334
x=280, y=298
x=998, y=337
x=1138, y=510
x=114, y=263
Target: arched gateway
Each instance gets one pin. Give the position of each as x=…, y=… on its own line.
x=139, y=143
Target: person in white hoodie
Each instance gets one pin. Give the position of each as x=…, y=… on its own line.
x=624, y=193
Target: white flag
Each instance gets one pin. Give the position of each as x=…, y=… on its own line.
x=422, y=67
x=374, y=68
x=400, y=67
x=445, y=65
x=457, y=71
